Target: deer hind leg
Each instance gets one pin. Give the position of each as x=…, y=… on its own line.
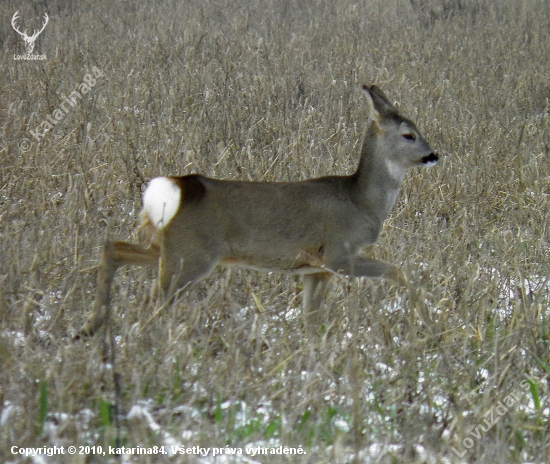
x=115, y=254
x=191, y=263
x=315, y=288
x=180, y=272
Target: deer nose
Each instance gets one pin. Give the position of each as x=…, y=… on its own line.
x=432, y=158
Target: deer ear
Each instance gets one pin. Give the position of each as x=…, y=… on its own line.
x=378, y=101
x=371, y=105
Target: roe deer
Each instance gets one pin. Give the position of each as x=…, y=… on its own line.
x=315, y=227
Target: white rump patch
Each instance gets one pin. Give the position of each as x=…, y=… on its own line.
x=161, y=201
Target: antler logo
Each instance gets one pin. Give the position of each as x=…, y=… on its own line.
x=29, y=41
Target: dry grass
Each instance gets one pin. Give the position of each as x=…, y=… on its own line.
x=267, y=90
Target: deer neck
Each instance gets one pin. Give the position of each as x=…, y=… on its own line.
x=378, y=180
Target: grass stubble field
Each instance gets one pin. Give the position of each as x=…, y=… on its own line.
x=269, y=90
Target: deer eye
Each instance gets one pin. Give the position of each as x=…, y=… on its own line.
x=410, y=136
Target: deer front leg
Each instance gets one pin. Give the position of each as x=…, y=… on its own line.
x=315, y=288
x=360, y=266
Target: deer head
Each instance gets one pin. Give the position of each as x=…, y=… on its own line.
x=29, y=41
